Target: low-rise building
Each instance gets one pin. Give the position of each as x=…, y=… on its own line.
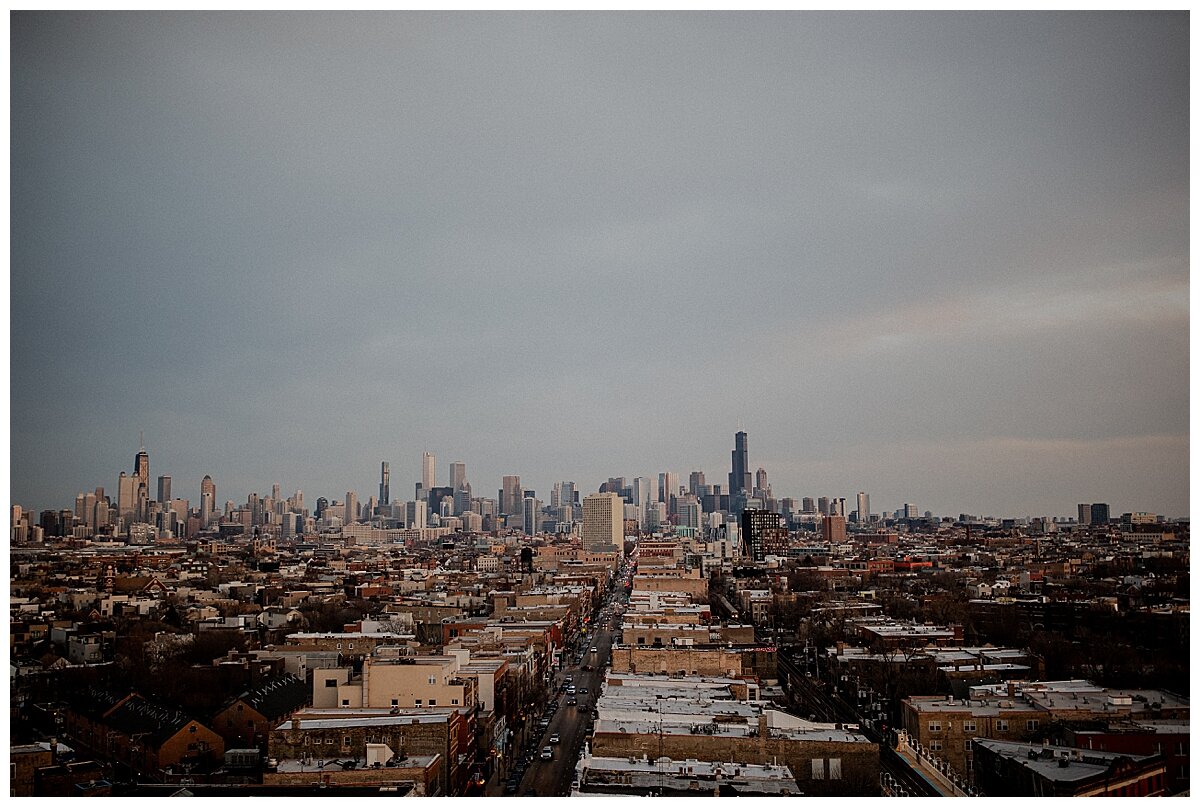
x=1005, y=769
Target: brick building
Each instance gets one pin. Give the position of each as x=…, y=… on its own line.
x=346, y=733
x=144, y=736
x=246, y=721
x=1006, y=769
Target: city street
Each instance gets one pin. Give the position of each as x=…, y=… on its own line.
x=553, y=777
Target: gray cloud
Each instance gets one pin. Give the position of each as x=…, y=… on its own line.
x=580, y=245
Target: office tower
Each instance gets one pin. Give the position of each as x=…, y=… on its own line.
x=603, y=522
x=689, y=511
x=127, y=498
x=643, y=490
x=510, y=495
x=656, y=515
x=833, y=529
x=760, y=479
x=807, y=506
x=531, y=516
x=1099, y=514
x=275, y=493
x=763, y=534
x=668, y=487
x=322, y=504
x=428, y=471
x=385, y=484
x=208, y=500
x=462, y=498
x=416, y=514
x=556, y=494
x=458, y=474
x=696, y=483
x=1085, y=514
x=823, y=505
x=164, y=489
x=837, y=506
x=100, y=513
x=910, y=510
x=739, y=477
x=351, y=514
x=141, y=473
x=864, y=507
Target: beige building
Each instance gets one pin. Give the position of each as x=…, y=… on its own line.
x=405, y=682
x=603, y=522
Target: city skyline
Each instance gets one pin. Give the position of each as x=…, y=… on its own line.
x=939, y=258
x=833, y=501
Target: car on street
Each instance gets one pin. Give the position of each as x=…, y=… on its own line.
x=555, y=739
x=583, y=691
x=571, y=701
x=548, y=752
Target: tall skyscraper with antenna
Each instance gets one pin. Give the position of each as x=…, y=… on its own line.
x=385, y=484
x=141, y=473
x=739, y=476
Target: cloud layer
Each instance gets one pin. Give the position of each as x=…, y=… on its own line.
x=570, y=246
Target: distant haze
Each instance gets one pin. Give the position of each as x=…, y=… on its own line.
x=939, y=257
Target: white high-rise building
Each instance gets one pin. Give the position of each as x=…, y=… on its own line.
x=603, y=522
x=416, y=515
x=428, y=471
x=351, y=514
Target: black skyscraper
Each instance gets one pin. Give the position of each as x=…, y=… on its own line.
x=739, y=478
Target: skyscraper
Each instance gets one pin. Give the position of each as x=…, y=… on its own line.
x=643, y=490
x=739, y=477
x=428, y=471
x=689, y=511
x=385, y=484
x=864, y=507
x=164, y=489
x=1085, y=514
x=532, y=516
x=823, y=505
x=668, y=487
x=760, y=479
x=696, y=483
x=208, y=499
x=510, y=495
x=603, y=522
x=127, y=498
x=351, y=514
x=141, y=472
x=458, y=474
x=1099, y=514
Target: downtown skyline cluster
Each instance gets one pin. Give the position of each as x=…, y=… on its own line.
x=667, y=497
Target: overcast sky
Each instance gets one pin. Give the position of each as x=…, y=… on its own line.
x=942, y=258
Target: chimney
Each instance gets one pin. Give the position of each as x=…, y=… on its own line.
x=958, y=633
x=1012, y=689
x=840, y=647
